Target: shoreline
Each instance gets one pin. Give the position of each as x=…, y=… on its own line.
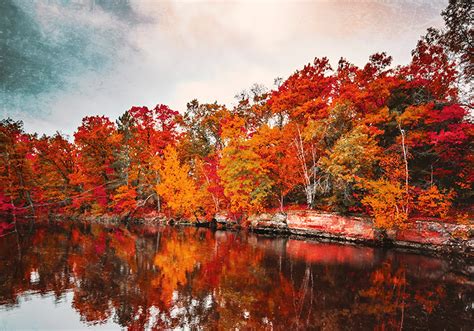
x=419, y=235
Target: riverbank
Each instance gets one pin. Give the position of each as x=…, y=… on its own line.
x=426, y=235
x=419, y=234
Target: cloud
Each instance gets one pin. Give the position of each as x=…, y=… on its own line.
x=102, y=60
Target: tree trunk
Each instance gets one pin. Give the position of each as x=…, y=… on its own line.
x=402, y=132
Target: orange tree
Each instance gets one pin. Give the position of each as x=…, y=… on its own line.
x=97, y=142
x=177, y=188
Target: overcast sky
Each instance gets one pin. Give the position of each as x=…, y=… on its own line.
x=61, y=60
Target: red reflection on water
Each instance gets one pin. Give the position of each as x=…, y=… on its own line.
x=328, y=253
x=147, y=277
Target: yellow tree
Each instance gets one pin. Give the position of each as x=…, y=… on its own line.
x=387, y=203
x=244, y=176
x=177, y=188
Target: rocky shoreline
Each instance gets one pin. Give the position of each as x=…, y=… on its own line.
x=423, y=235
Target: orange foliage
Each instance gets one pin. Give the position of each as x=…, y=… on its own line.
x=323, y=136
x=97, y=141
x=243, y=173
x=434, y=202
x=387, y=203
x=124, y=199
x=273, y=148
x=177, y=187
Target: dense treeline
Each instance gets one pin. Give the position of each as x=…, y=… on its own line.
x=391, y=142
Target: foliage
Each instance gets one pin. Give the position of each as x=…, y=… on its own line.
x=433, y=202
x=176, y=187
x=353, y=156
x=124, y=199
x=387, y=203
x=340, y=138
x=244, y=177
x=97, y=141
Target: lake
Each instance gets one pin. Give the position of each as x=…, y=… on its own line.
x=79, y=276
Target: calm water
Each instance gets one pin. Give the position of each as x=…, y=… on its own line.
x=91, y=276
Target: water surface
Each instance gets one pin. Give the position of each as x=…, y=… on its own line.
x=90, y=276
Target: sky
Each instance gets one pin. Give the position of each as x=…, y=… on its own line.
x=61, y=60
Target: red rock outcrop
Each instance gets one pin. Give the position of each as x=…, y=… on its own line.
x=308, y=222
x=418, y=234
x=432, y=234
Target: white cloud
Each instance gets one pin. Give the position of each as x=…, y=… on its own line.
x=212, y=50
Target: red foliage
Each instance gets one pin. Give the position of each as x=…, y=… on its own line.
x=323, y=135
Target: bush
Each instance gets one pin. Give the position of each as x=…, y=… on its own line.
x=434, y=202
x=387, y=203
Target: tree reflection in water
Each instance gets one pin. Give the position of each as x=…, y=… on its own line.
x=144, y=277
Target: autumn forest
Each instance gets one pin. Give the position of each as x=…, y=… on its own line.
x=339, y=197
x=393, y=142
